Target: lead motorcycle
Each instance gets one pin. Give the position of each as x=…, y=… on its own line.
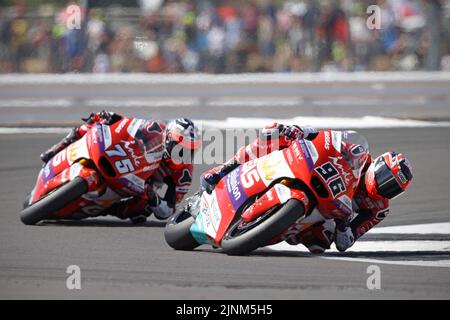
x=265, y=200
x=109, y=164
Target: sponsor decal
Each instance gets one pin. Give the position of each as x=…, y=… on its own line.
x=136, y=158
x=197, y=229
x=152, y=157
x=234, y=188
x=347, y=202
x=306, y=154
x=121, y=125
x=342, y=208
x=283, y=192
x=107, y=136
x=327, y=140
x=312, y=151
x=94, y=136
x=340, y=167
x=99, y=138
x=268, y=166
x=131, y=185
x=216, y=216
x=297, y=152
x=289, y=156
x=48, y=172
x=134, y=126
x=206, y=220
x=75, y=170
x=150, y=168
x=138, y=182
x=336, y=139
x=182, y=189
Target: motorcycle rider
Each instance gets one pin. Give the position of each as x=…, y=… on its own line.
x=385, y=178
x=175, y=137
x=382, y=179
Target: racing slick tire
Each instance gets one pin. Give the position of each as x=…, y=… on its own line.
x=55, y=201
x=260, y=234
x=177, y=232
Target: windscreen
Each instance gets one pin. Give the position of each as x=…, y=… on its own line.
x=149, y=141
x=355, y=150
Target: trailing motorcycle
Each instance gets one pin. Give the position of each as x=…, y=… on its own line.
x=110, y=163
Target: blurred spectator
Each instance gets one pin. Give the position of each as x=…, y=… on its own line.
x=220, y=36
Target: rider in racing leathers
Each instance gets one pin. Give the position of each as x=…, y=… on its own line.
x=382, y=179
x=172, y=172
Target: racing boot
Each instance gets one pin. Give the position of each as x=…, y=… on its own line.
x=50, y=153
x=122, y=211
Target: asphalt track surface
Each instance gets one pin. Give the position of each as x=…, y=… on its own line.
x=122, y=261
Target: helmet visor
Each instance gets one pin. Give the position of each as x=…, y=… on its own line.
x=387, y=184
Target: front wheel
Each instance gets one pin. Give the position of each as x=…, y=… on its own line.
x=54, y=201
x=242, y=238
x=178, y=231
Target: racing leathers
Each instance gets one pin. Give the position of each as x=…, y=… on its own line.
x=367, y=212
x=138, y=208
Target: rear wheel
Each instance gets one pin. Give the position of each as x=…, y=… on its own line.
x=242, y=237
x=178, y=231
x=54, y=201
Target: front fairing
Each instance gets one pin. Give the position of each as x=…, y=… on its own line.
x=120, y=159
x=321, y=165
x=218, y=209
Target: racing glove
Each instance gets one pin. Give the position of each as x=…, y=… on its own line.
x=106, y=117
x=294, y=132
x=344, y=239
x=50, y=153
x=209, y=180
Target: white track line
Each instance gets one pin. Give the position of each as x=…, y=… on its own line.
x=323, y=122
x=257, y=123
x=379, y=246
x=33, y=130
x=392, y=246
x=429, y=228
x=417, y=263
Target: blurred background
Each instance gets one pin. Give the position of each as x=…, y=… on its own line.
x=222, y=36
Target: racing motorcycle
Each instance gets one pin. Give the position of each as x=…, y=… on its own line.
x=265, y=200
x=109, y=164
